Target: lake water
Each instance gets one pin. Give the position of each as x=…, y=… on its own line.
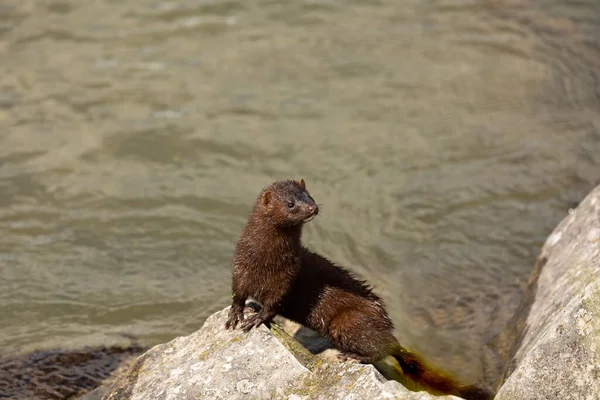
x=442, y=139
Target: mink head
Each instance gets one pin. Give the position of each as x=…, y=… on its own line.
x=288, y=203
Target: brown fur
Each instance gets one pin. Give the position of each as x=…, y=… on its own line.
x=271, y=266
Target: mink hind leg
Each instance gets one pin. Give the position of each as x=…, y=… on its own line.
x=361, y=336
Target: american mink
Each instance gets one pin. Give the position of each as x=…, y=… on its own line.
x=271, y=266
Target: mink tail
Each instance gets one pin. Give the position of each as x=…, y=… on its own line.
x=415, y=375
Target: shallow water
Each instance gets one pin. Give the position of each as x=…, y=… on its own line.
x=443, y=139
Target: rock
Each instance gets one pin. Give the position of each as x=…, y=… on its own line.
x=558, y=354
x=214, y=363
x=63, y=373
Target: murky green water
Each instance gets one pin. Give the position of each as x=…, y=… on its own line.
x=444, y=140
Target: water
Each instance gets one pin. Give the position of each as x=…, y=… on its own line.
x=443, y=139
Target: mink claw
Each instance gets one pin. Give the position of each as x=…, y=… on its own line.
x=252, y=322
x=230, y=324
x=234, y=318
x=347, y=358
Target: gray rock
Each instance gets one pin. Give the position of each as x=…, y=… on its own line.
x=558, y=356
x=214, y=363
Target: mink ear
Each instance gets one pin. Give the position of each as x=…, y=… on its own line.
x=302, y=184
x=266, y=197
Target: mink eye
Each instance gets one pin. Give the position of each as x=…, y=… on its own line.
x=290, y=204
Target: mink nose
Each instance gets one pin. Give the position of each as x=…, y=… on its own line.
x=314, y=209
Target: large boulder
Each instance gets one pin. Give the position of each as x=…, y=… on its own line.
x=557, y=355
x=214, y=363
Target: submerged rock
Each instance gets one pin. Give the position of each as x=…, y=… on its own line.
x=61, y=373
x=558, y=352
x=214, y=363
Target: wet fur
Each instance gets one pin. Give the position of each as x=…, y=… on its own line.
x=271, y=266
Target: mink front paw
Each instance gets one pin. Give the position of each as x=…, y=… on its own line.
x=236, y=315
x=252, y=322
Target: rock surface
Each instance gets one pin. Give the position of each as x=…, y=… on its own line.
x=214, y=363
x=558, y=356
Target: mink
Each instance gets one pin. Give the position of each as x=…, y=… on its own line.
x=271, y=266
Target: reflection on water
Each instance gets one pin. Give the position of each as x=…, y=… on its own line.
x=444, y=140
